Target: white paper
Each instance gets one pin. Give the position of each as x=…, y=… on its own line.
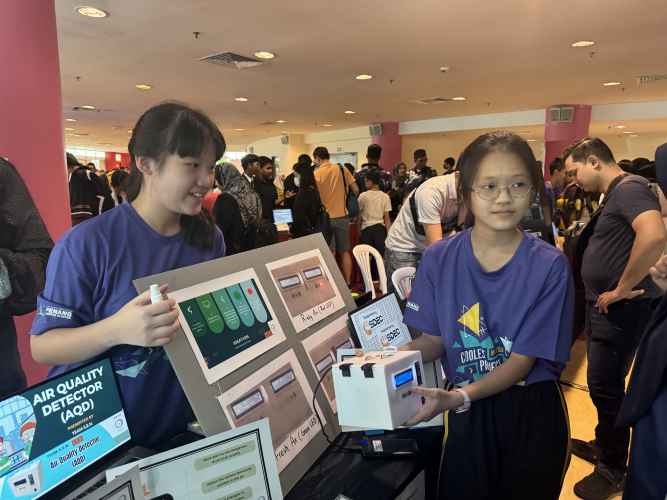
x=321, y=348
x=228, y=322
x=234, y=464
x=306, y=287
x=280, y=392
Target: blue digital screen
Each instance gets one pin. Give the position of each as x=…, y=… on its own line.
x=405, y=377
x=282, y=216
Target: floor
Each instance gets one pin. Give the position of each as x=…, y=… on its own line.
x=582, y=416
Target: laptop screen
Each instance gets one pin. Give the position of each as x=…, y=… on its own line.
x=54, y=430
x=282, y=216
x=380, y=324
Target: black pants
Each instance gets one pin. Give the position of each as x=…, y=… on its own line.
x=510, y=446
x=374, y=236
x=612, y=342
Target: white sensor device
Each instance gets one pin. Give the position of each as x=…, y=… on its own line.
x=156, y=296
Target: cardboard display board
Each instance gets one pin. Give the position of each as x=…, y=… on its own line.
x=207, y=392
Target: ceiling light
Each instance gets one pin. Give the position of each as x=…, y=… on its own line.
x=327, y=125
x=627, y=132
x=350, y=112
x=612, y=84
x=619, y=126
x=583, y=43
x=264, y=54
x=459, y=98
x=143, y=86
x=241, y=99
x=88, y=106
x=239, y=129
x=71, y=120
x=281, y=121
x=532, y=140
x=69, y=129
x=88, y=11
x=364, y=77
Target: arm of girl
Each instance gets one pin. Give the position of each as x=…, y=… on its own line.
x=138, y=323
x=515, y=369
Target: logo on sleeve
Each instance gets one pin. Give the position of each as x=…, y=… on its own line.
x=413, y=306
x=55, y=312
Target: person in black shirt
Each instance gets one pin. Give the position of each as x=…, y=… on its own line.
x=307, y=204
x=624, y=238
x=373, y=155
x=117, y=195
x=25, y=245
x=263, y=185
x=421, y=171
x=449, y=165
x=86, y=193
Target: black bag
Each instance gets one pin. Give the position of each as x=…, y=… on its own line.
x=267, y=234
x=351, y=201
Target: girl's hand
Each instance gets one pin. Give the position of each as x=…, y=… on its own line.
x=144, y=324
x=436, y=402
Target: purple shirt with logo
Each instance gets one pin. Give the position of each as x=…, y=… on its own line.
x=526, y=307
x=89, y=278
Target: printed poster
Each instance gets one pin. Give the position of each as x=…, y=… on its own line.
x=306, y=288
x=279, y=392
x=52, y=431
x=233, y=465
x=321, y=348
x=228, y=322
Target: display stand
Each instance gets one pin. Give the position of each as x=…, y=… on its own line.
x=204, y=396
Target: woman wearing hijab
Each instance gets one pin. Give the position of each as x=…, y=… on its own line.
x=238, y=209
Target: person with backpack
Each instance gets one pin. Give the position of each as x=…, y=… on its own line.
x=86, y=195
x=430, y=212
x=336, y=185
x=90, y=308
x=623, y=240
x=309, y=214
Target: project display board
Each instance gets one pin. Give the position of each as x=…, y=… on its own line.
x=259, y=329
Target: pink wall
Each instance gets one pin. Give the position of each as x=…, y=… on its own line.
x=110, y=162
x=31, y=121
x=558, y=136
x=391, y=145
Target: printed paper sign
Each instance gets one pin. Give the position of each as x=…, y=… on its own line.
x=321, y=348
x=306, y=288
x=234, y=465
x=228, y=321
x=279, y=392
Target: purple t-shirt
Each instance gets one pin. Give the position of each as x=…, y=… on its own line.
x=89, y=278
x=524, y=307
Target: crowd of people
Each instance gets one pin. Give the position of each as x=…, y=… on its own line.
x=508, y=433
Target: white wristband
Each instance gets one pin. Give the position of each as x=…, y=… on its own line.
x=466, y=401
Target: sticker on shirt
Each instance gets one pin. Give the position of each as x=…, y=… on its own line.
x=477, y=351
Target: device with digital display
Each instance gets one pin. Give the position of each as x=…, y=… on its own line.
x=282, y=216
x=376, y=390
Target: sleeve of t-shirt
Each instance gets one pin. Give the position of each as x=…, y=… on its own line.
x=635, y=199
x=67, y=298
x=548, y=329
x=430, y=205
x=420, y=310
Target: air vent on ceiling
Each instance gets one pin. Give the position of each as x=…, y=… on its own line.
x=434, y=100
x=646, y=79
x=231, y=60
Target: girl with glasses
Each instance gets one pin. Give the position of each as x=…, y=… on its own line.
x=496, y=305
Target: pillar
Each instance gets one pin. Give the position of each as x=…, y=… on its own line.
x=390, y=141
x=31, y=122
x=558, y=135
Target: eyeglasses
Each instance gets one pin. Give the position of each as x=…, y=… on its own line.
x=491, y=191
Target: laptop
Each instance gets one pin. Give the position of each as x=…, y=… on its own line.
x=282, y=218
x=58, y=437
